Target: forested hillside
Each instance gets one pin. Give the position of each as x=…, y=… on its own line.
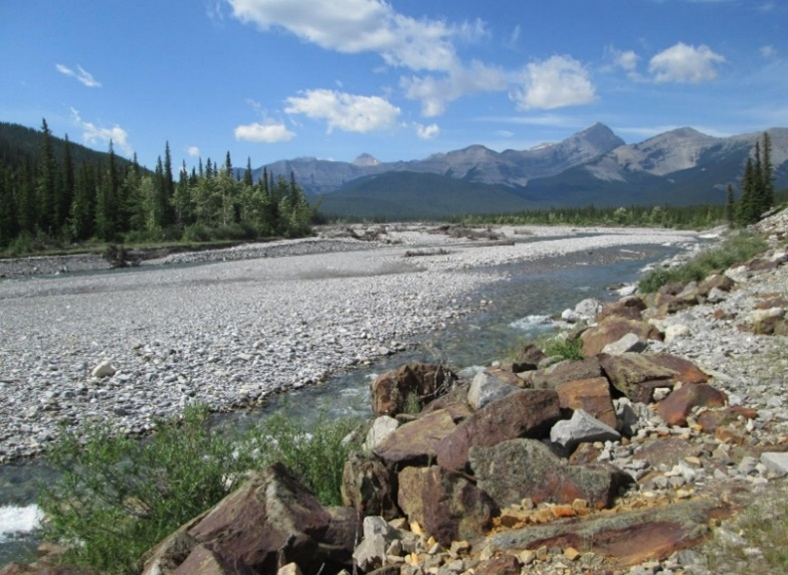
x=56, y=193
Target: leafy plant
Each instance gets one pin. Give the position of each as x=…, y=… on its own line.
x=564, y=347
x=118, y=496
x=734, y=250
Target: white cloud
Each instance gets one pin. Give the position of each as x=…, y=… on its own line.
x=347, y=112
x=193, y=151
x=768, y=51
x=686, y=64
x=435, y=93
x=92, y=134
x=556, y=82
x=427, y=132
x=268, y=133
x=504, y=134
x=81, y=74
x=355, y=26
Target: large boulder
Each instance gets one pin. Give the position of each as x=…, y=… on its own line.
x=449, y=506
x=269, y=521
x=590, y=395
x=524, y=413
x=630, y=307
x=636, y=375
x=571, y=370
x=417, y=383
x=519, y=468
x=369, y=487
x=416, y=442
x=675, y=408
x=612, y=329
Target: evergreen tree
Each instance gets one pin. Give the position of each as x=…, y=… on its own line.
x=767, y=175
x=182, y=199
x=46, y=183
x=8, y=223
x=79, y=217
x=248, y=181
x=730, y=206
x=67, y=185
x=748, y=204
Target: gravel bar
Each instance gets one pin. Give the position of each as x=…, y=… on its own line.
x=233, y=332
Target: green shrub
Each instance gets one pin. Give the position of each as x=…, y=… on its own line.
x=564, y=347
x=316, y=457
x=118, y=496
x=734, y=250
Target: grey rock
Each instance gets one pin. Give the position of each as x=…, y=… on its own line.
x=381, y=428
x=629, y=342
x=582, y=427
x=486, y=388
x=775, y=462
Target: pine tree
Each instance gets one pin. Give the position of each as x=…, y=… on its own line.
x=8, y=222
x=66, y=185
x=748, y=204
x=730, y=206
x=767, y=176
x=46, y=183
x=248, y=181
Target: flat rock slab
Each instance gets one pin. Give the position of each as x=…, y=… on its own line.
x=572, y=370
x=524, y=413
x=612, y=329
x=519, y=468
x=637, y=374
x=416, y=442
x=630, y=537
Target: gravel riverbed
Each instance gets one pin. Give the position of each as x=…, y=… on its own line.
x=260, y=320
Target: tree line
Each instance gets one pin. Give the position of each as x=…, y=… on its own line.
x=49, y=199
x=757, y=187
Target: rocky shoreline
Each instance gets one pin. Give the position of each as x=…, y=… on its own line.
x=672, y=426
x=235, y=332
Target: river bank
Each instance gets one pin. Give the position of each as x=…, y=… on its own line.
x=233, y=333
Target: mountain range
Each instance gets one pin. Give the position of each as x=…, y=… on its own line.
x=594, y=166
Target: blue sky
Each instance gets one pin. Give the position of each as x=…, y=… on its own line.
x=278, y=79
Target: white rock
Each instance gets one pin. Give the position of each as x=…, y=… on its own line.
x=676, y=331
x=775, y=462
x=381, y=428
x=103, y=369
x=629, y=342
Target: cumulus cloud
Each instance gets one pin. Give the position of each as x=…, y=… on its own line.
x=268, y=133
x=556, y=82
x=685, y=64
x=346, y=112
x=193, y=151
x=427, y=132
x=435, y=93
x=356, y=26
x=80, y=74
x=92, y=134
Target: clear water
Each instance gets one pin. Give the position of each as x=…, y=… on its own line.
x=531, y=292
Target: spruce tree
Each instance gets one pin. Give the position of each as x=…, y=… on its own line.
x=248, y=181
x=730, y=206
x=46, y=183
x=767, y=176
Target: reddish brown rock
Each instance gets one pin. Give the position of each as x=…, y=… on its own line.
x=456, y=400
x=506, y=376
x=528, y=358
x=637, y=374
x=411, y=482
x=392, y=390
x=271, y=519
x=454, y=508
x=524, y=413
x=675, y=408
x=585, y=453
x=626, y=538
x=627, y=308
x=716, y=281
x=665, y=452
x=415, y=443
x=513, y=470
x=204, y=561
x=504, y=565
x=590, y=395
x=369, y=487
x=572, y=370
x=612, y=329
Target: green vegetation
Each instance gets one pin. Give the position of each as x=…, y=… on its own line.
x=685, y=217
x=58, y=194
x=757, y=184
x=734, y=250
x=119, y=496
x=567, y=348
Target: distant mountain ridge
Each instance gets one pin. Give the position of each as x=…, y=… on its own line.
x=678, y=167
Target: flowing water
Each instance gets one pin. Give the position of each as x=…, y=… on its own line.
x=520, y=308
